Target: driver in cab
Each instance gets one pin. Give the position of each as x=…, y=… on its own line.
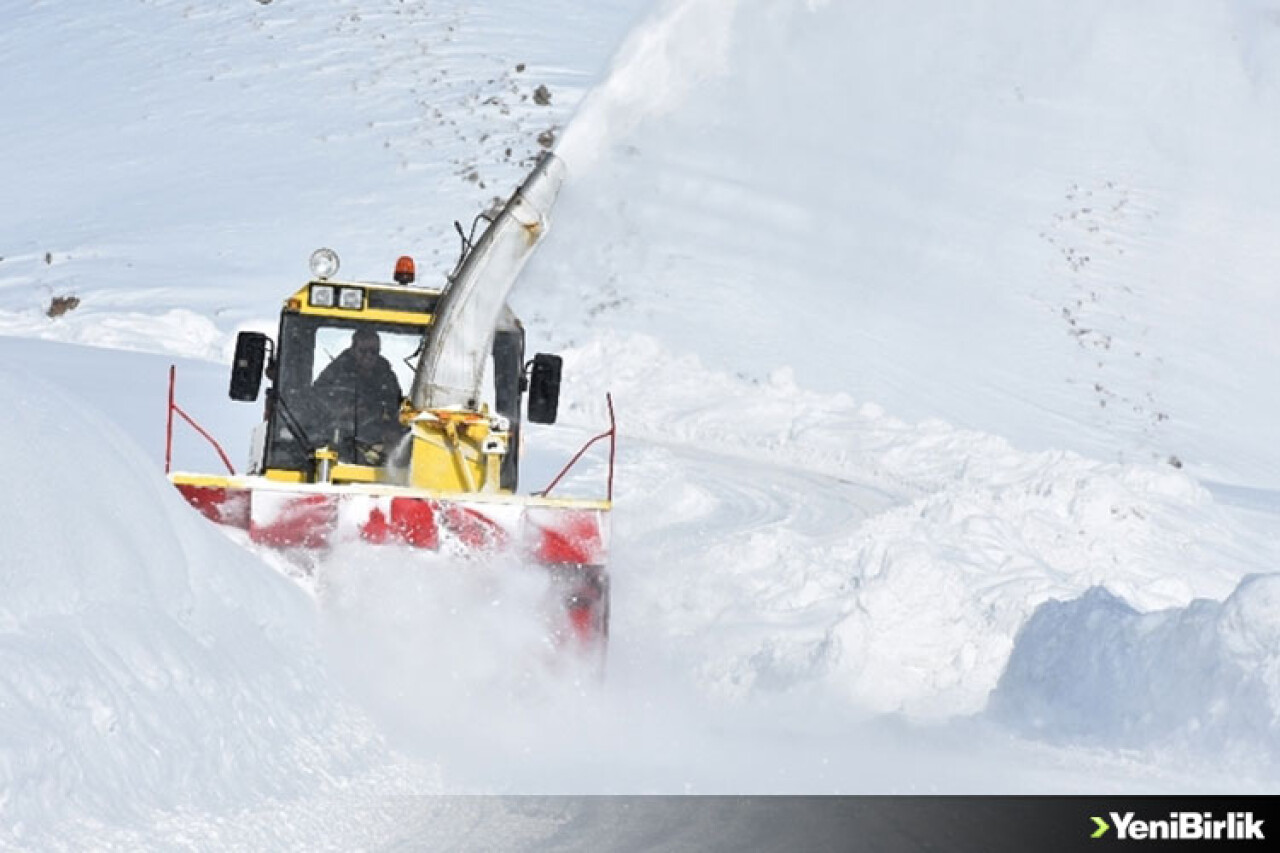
x=362, y=396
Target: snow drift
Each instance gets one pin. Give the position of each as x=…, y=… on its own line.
x=147, y=662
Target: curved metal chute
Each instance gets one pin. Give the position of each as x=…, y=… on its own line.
x=451, y=369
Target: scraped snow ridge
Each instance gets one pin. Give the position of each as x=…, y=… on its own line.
x=178, y=332
x=1205, y=677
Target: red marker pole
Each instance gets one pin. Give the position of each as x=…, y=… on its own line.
x=168, y=429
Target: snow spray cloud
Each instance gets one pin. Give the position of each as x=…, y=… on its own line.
x=443, y=650
x=661, y=61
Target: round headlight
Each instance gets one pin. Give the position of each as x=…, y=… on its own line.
x=324, y=263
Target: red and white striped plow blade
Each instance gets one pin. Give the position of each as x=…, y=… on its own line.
x=571, y=541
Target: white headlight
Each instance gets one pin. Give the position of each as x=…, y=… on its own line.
x=322, y=295
x=324, y=263
x=351, y=297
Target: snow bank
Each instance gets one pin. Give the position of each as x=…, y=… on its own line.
x=1204, y=678
x=888, y=563
x=177, y=332
x=146, y=662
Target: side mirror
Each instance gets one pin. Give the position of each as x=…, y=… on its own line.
x=246, y=369
x=544, y=388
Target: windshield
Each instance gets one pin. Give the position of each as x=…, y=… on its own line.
x=398, y=347
x=340, y=383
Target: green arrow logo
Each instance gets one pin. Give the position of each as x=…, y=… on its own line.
x=1102, y=828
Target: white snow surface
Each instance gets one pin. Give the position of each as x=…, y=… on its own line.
x=941, y=339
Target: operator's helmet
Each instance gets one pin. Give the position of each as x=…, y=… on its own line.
x=365, y=344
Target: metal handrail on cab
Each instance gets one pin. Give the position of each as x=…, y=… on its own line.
x=612, y=435
x=168, y=431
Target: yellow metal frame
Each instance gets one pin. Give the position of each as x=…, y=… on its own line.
x=300, y=302
x=449, y=451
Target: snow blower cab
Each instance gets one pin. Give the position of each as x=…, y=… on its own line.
x=345, y=357
x=393, y=415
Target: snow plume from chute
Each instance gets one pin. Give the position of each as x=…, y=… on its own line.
x=452, y=366
x=684, y=42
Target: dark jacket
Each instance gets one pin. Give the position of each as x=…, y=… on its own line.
x=355, y=399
